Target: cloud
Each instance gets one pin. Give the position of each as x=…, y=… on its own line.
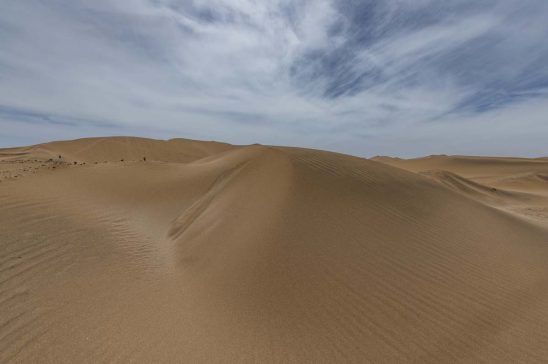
x=364, y=77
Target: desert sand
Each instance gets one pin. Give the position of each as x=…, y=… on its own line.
x=208, y=252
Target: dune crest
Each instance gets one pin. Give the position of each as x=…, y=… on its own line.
x=208, y=252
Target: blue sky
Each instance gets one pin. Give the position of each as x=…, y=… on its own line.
x=394, y=77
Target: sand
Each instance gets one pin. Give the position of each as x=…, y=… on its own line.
x=515, y=185
x=208, y=252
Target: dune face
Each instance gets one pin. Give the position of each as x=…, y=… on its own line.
x=515, y=185
x=489, y=170
x=207, y=252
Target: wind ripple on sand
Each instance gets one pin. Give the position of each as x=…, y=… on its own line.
x=264, y=254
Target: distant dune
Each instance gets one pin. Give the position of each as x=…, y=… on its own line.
x=517, y=185
x=130, y=249
x=492, y=169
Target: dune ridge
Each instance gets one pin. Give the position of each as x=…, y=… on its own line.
x=488, y=169
x=518, y=185
x=265, y=254
x=113, y=149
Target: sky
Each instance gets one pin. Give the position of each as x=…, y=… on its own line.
x=394, y=77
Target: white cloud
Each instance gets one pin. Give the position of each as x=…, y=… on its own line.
x=249, y=71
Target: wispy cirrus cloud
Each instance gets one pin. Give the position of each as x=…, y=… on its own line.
x=366, y=77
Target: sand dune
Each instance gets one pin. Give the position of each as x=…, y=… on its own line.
x=517, y=185
x=487, y=169
x=528, y=181
x=476, y=190
x=118, y=148
x=207, y=252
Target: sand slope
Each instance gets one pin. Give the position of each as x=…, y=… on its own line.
x=517, y=185
x=217, y=253
x=489, y=170
x=118, y=148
